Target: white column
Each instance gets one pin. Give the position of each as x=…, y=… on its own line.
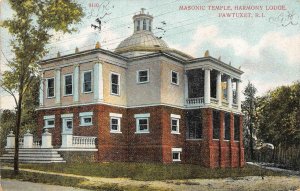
x=186, y=87
x=229, y=91
x=46, y=139
x=76, y=83
x=57, y=86
x=219, y=88
x=238, y=95
x=207, y=86
x=98, y=82
x=41, y=90
x=10, y=141
x=28, y=140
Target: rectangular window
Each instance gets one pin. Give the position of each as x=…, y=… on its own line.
x=175, y=123
x=49, y=121
x=87, y=82
x=69, y=123
x=142, y=122
x=50, y=88
x=68, y=84
x=174, y=78
x=194, y=124
x=86, y=118
x=115, y=125
x=227, y=126
x=236, y=127
x=143, y=76
x=176, y=152
x=142, y=125
x=115, y=83
x=216, y=124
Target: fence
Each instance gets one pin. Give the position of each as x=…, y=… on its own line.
x=281, y=156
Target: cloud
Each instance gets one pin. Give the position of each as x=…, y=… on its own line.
x=273, y=61
x=85, y=39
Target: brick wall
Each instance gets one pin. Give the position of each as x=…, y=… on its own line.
x=155, y=146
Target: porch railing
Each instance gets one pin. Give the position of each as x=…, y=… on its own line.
x=214, y=100
x=84, y=142
x=195, y=101
x=225, y=103
x=235, y=106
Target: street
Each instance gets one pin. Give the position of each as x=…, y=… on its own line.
x=16, y=185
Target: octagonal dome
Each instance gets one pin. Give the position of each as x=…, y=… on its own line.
x=141, y=41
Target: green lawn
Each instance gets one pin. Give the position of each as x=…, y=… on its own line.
x=71, y=181
x=149, y=171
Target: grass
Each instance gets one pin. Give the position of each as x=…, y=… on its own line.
x=71, y=181
x=149, y=171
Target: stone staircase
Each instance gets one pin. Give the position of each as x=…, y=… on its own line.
x=33, y=155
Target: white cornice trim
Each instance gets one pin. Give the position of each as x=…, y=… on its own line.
x=147, y=105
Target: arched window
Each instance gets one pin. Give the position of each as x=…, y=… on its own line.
x=138, y=25
x=150, y=23
x=144, y=24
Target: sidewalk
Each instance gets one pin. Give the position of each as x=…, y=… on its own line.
x=16, y=185
x=243, y=183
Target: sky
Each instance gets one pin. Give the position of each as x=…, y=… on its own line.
x=260, y=36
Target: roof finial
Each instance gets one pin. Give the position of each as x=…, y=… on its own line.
x=142, y=10
x=219, y=58
x=240, y=67
x=76, y=50
x=206, y=54
x=229, y=63
x=58, y=54
x=98, y=45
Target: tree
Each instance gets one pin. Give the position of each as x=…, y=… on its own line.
x=248, y=108
x=28, y=118
x=279, y=116
x=31, y=27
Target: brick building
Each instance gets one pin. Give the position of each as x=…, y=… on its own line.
x=144, y=102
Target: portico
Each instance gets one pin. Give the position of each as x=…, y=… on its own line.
x=207, y=85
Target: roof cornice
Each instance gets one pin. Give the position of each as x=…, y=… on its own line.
x=81, y=53
x=214, y=60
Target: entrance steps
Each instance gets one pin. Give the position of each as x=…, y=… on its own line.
x=34, y=155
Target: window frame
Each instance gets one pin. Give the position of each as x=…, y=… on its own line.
x=83, y=116
x=118, y=117
x=177, y=75
x=48, y=118
x=118, y=85
x=47, y=88
x=65, y=84
x=118, y=130
x=83, y=83
x=177, y=151
x=139, y=117
x=177, y=119
x=138, y=76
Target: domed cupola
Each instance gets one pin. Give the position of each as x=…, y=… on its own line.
x=142, y=41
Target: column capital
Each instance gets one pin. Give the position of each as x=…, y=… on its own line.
x=207, y=68
x=57, y=68
x=219, y=72
x=76, y=65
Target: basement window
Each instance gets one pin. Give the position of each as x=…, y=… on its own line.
x=176, y=152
